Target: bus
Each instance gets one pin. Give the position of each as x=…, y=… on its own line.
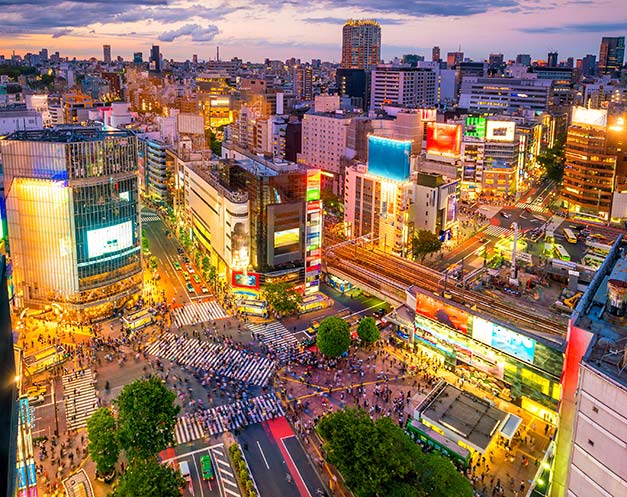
x=137, y=320
x=560, y=252
x=431, y=438
x=570, y=236
x=254, y=307
x=45, y=359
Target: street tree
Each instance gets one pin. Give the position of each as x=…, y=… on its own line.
x=149, y=479
x=424, y=242
x=333, y=337
x=368, y=331
x=146, y=418
x=103, y=442
x=552, y=160
x=378, y=458
x=282, y=298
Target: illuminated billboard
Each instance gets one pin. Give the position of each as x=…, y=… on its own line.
x=444, y=139
x=110, y=239
x=500, y=131
x=248, y=280
x=475, y=127
x=428, y=115
x=389, y=158
x=286, y=238
x=444, y=313
x=504, y=339
x=589, y=117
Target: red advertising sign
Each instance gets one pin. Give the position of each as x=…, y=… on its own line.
x=444, y=139
x=248, y=280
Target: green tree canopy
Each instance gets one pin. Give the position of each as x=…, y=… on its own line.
x=282, y=297
x=367, y=330
x=424, y=242
x=149, y=479
x=146, y=418
x=552, y=160
x=103, y=443
x=378, y=458
x=333, y=338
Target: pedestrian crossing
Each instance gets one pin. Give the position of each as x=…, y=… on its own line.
x=532, y=207
x=197, y=312
x=497, y=231
x=241, y=413
x=187, y=429
x=79, y=398
x=225, y=471
x=149, y=217
x=225, y=361
x=276, y=336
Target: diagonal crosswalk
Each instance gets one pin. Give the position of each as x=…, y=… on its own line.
x=276, y=336
x=79, y=398
x=222, y=360
x=197, y=312
x=532, y=207
x=497, y=231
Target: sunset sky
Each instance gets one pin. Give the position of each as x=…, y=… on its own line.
x=253, y=30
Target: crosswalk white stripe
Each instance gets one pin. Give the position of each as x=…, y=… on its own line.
x=80, y=406
x=198, y=312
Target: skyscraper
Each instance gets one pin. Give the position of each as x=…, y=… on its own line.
x=524, y=59
x=302, y=81
x=361, y=44
x=589, y=65
x=551, y=59
x=611, y=55
x=106, y=50
x=454, y=58
x=155, y=59
x=73, y=218
x=435, y=54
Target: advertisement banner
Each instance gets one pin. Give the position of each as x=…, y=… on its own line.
x=504, y=339
x=589, y=117
x=444, y=139
x=444, y=313
x=500, y=131
x=475, y=127
x=248, y=280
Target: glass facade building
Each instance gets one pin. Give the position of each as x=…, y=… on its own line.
x=73, y=217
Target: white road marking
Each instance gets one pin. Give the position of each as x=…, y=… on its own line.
x=263, y=455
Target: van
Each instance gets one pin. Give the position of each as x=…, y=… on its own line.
x=184, y=469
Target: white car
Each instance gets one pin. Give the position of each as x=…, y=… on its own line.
x=205, y=289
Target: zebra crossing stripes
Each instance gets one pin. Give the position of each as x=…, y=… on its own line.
x=241, y=413
x=79, y=398
x=197, y=312
x=497, y=231
x=224, y=471
x=222, y=360
x=532, y=207
x=276, y=336
x=187, y=429
x=147, y=218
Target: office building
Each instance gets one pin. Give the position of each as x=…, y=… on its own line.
x=402, y=86
x=504, y=95
x=454, y=58
x=435, y=54
x=523, y=59
x=138, y=58
x=495, y=62
x=106, y=51
x=155, y=59
x=594, y=162
x=592, y=434
x=215, y=99
x=354, y=84
x=302, y=82
x=14, y=120
x=73, y=218
x=611, y=55
x=589, y=65
x=361, y=44
x=551, y=59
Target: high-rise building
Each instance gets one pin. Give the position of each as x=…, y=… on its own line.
x=611, y=55
x=454, y=58
x=73, y=218
x=589, y=65
x=402, y=86
x=106, y=52
x=354, y=83
x=499, y=95
x=551, y=59
x=524, y=59
x=155, y=59
x=495, y=61
x=138, y=58
x=435, y=54
x=302, y=81
x=361, y=44
x=43, y=54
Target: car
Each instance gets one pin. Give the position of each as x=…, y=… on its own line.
x=206, y=467
x=36, y=394
x=205, y=289
x=196, y=278
x=190, y=288
x=177, y=266
x=190, y=268
x=540, y=200
x=505, y=215
x=180, y=251
x=186, y=275
x=186, y=259
x=185, y=472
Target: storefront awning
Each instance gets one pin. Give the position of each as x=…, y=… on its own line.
x=509, y=426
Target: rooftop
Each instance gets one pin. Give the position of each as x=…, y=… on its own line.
x=68, y=134
x=603, y=311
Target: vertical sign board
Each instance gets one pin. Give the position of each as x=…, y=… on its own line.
x=313, y=233
x=25, y=464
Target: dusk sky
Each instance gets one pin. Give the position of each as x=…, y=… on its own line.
x=253, y=30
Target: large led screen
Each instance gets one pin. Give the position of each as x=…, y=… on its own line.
x=503, y=339
x=110, y=239
x=286, y=238
x=590, y=117
x=500, y=131
x=249, y=280
x=441, y=312
x=388, y=158
x=475, y=126
x=444, y=139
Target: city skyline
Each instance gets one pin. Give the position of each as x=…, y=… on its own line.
x=248, y=29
